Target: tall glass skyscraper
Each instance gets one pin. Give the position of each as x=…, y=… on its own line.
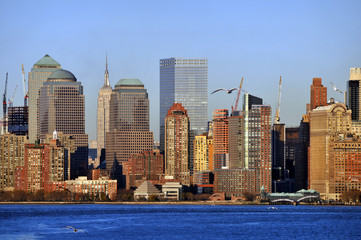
x=38, y=75
x=185, y=81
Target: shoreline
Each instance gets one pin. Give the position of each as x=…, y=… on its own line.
x=169, y=203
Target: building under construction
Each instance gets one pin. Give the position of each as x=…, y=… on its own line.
x=18, y=120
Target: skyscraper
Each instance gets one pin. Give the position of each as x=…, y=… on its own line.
x=220, y=138
x=129, y=125
x=353, y=91
x=318, y=93
x=62, y=108
x=332, y=144
x=38, y=75
x=185, y=81
x=177, y=143
x=103, y=113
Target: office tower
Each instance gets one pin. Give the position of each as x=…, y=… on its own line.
x=301, y=156
x=329, y=129
x=147, y=165
x=38, y=75
x=278, y=155
x=18, y=120
x=318, y=94
x=259, y=148
x=248, y=101
x=220, y=138
x=12, y=149
x=62, y=108
x=184, y=81
x=177, y=143
x=203, y=153
x=236, y=142
x=292, y=136
x=353, y=91
x=129, y=125
x=103, y=113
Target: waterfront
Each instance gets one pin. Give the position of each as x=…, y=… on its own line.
x=179, y=222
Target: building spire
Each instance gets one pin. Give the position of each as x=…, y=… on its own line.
x=106, y=74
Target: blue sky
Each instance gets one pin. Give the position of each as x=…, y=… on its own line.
x=257, y=40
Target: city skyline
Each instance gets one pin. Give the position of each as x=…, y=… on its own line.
x=258, y=41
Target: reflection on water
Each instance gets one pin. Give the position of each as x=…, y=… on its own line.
x=178, y=222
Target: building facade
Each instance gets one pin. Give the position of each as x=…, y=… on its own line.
x=12, y=148
x=318, y=94
x=129, y=126
x=220, y=138
x=147, y=165
x=39, y=74
x=62, y=108
x=103, y=113
x=177, y=144
x=353, y=92
x=329, y=124
x=203, y=153
x=184, y=81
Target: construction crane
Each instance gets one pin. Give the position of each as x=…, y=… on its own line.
x=12, y=97
x=4, y=104
x=276, y=120
x=238, y=95
x=24, y=87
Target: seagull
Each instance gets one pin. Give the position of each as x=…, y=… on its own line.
x=229, y=91
x=273, y=208
x=335, y=88
x=75, y=229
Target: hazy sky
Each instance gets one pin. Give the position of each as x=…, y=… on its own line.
x=257, y=40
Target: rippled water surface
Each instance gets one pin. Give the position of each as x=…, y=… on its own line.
x=178, y=222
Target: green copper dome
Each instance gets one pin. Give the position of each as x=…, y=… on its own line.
x=129, y=82
x=47, y=61
x=62, y=75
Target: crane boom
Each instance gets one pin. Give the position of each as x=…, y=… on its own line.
x=12, y=97
x=238, y=94
x=4, y=104
x=277, y=115
x=24, y=87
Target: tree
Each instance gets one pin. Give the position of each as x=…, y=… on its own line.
x=19, y=196
x=152, y=198
x=248, y=196
x=352, y=195
x=39, y=195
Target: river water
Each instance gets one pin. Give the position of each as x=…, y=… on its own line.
x=102, y=221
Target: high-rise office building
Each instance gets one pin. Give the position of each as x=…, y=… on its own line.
x=38, y=75
x=128, y=127
x=177, y=143
x=62, y=108
x=335, y=151
x=103, y=113
x=185, y=81
x=220, y=138
x=353, y=92
x=318, y=94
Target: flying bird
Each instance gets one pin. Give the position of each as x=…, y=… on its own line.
x=229, y=91
x=75, y=229
x=273, y=208
x=335, y=88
